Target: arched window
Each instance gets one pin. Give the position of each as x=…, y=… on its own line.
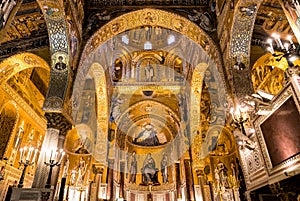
x=148, y=46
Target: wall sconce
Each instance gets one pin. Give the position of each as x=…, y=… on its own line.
x=240, y=116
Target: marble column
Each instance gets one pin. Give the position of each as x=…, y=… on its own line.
x=178, y=180
x=201, y=182
x=57, y=128
x=98, y=171
x=189, y=179
x=110, y=179
x=122, y=179
x=55, y=172
x=41, y=174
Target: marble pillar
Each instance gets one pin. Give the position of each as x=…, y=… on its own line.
x=50, y=142
x=110, y=181
x=98, y=171
x=56, y=170
x=201, y=182
x=178, y=180
x=189, y=180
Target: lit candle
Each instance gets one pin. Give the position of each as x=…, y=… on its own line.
x=21, y=154
x=24, y=152
x=51, y=154
x=289, y=38
x=277, y=40
x=55, y=155
x=271, y=49
x=286, y=45
x=61, y=157
x=29, y=153
x=34, y=156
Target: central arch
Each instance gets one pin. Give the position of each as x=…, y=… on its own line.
x=133, y=20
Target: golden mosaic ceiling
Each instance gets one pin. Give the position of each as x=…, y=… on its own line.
x=29, y=23
x=27, y=32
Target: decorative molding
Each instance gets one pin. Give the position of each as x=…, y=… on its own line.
x=15, y=47
x=98, y=3
x=139, y=188
x=15, y=96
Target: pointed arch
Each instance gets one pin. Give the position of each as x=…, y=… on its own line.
x=18, y=63
x=240, y=44
x=97, y=46
x=98, y=111
x=149, y=17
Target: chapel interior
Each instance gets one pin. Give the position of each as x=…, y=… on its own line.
x=150, y=100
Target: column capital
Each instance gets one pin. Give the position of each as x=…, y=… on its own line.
x=58, y=121
x=97, y=168
x=199, y=172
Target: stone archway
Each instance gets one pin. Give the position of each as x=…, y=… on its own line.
x=148, y=17
x=240, y=43
x=18, y=63
x=55, y=17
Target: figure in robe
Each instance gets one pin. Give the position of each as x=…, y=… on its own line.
x=133, y=168
x=147, y=137
x=149, y=171
x=149, y=72
x=82, y=168
x=17, y=142
x=164, y=168
x=60, y=65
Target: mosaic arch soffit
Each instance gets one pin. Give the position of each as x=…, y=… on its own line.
x=146, y=17
x=18, y=63
x=197, y=84
x=240, y=44
x=96, y=71
x=242, y=29
x=55, y=18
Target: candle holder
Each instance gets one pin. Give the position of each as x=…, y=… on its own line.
x=26, y=160
x=81, y=190
x=239, y=117
x=54, y=160
x=287, y=51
